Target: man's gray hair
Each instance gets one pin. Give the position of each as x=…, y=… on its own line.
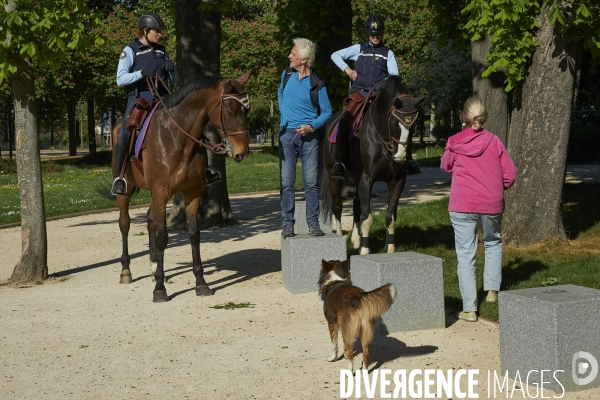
x=306, y=50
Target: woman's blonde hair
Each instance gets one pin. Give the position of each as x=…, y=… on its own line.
x=306, y=50
x=474, y=113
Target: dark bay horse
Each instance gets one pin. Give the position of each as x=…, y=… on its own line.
x=174, y=161
x=377, y=153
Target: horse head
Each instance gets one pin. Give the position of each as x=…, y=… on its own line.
x=405, y=110
x=234, y=105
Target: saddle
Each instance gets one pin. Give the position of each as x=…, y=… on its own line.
x=137, y=124
x=354, y=108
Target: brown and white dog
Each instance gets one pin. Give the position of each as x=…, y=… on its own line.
x=351, y=309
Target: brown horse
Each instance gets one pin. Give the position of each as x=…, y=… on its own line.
x=173, y=162
x=377, y=153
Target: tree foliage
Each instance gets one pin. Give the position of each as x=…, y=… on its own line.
x=248, y=41
x=42, y=31
x=443, y=75
x=408, y=28
x=512, y=24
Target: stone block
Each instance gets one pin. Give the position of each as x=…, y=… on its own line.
x=301, y=257
x=419, y=282
x=551, y=328
x=301, y=227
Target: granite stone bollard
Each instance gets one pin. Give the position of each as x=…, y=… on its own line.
x=551, y=329
x=300, y=226
x=419, y=282
x=301, y=257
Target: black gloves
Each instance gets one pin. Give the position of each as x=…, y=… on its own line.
x=169, y=66
x=148, y=73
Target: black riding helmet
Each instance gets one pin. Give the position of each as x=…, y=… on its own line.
x=374, y=26
x=151, y=21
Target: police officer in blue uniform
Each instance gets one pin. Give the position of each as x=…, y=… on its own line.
x=373, y=63
x=143, y=58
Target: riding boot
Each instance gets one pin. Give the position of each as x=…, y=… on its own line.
x=338, y=171
x=211, y=176
x=119, y=185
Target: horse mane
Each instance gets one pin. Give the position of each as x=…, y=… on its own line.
x=390, y=88
x=205, y=82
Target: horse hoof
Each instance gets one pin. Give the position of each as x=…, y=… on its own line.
x=204, y=290
x=159, y=296
x=125, y=276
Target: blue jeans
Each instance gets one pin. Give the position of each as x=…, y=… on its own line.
x=465, y=239
x=292, y=146
x=125, y=135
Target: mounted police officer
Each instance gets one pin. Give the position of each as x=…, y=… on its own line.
x=143, y=58
x=373, y=63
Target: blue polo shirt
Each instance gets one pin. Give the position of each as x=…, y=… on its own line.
x=295, y=106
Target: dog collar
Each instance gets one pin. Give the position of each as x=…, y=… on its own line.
x=330, y=289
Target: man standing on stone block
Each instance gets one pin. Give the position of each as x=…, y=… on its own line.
x=305, y=108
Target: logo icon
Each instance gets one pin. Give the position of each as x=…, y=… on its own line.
x=581, y=367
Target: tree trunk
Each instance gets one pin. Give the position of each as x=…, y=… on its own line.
x=33, y=264
x=490, y=90
x=91, y=126
x=71, y=106
x=538, y=140
x=198, y=54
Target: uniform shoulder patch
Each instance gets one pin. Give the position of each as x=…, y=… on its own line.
x=123, y=55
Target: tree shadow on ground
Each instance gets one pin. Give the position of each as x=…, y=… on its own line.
x=517, y=271
x=174, y=241
x=407, y=238
x=580, y=208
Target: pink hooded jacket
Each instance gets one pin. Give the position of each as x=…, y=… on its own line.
x=481, y=170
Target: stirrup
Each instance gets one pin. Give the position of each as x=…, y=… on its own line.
x=211, y=176
x=338, y=172
x=112, y=189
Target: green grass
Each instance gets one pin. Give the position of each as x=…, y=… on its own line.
x=71, y=185
x=426, y=228
x=428, y=155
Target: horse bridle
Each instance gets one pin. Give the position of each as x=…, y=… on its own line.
x=243, y=99
x=404, y=117
x=218, y=148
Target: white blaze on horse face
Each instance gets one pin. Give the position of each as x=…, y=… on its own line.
x=400, y=155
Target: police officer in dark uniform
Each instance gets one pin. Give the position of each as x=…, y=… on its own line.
x=373, y=63
x=143, y=58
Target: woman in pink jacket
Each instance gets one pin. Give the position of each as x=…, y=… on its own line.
x=481, y=171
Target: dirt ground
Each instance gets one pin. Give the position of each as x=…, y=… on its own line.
x=82, y=335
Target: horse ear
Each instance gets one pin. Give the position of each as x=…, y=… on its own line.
x=244, y=78
x=228, y=86
x=397, y=103
x=417, y=101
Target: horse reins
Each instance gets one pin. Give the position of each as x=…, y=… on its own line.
x=218, y=148
x=392, y=111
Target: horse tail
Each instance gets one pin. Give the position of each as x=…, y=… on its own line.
x=325, y=196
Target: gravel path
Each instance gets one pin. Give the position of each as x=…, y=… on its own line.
x=81, y=335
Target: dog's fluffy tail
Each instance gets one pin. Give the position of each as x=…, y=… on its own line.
x=376, y=302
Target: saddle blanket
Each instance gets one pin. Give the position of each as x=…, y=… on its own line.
x=351, y=134
x=140, y=141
